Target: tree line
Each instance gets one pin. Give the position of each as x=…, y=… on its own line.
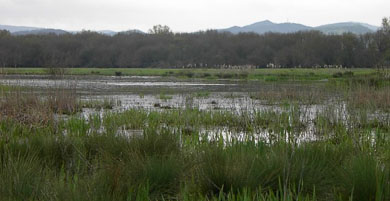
x=206, y=49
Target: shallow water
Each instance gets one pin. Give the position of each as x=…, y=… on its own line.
x=149, y=91
x=107, y=85
x=163, y=93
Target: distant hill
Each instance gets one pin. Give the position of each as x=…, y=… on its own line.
x=41, y=32
x=112, y=33
x=372, y=27
x=107, y=32
x=132, y=31
x=258, y=27
x=24, y=30
x=345, y=27
x=268, y=26
x=14, y=29
x=337, y=28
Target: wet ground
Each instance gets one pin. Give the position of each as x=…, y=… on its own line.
x=162, y=93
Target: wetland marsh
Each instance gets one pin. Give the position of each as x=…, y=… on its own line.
x=168, y=137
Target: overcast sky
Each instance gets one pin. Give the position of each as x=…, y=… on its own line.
x=185, y=15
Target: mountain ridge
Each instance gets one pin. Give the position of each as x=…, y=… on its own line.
x=267, y=26
x=287, y=27
x=26, y=30
x=40, y=32
x=260, y=27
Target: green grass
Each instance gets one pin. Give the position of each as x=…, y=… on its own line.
x=5, y=88
x=304, y=74
x=201, y=94
x=8, y=88
x=164, y=97
x=161, y=165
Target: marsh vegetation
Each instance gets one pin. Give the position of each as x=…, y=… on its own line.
x=206, y=140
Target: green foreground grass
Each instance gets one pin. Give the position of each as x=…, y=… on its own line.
x=302, y=74
x=172, y=160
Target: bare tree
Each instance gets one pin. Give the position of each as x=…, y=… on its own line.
x=160, y=29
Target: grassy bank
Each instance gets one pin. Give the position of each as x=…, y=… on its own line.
x=256, y=74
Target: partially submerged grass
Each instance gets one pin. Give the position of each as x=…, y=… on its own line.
x=63, y=101
x=5, y=88
x=202, y=94
x=100, y=104
x=25, y=108
x=373, y=99
x=30, y=108
x=302, y=94
x=165, y=97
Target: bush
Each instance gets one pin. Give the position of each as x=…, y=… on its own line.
x=345, y=74
x=56, y=71
x=348, y=74
x=337, y=75
x=189, y=74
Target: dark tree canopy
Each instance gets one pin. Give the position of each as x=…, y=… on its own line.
x=162, y=48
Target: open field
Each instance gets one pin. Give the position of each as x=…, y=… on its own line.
x=168, y=138
x=303, y=74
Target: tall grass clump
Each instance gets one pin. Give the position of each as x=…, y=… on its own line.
x=56, y=72
x=364, y=178
x=305, y=170
x=25, y=108
x=22, y=178
x=30, y=108
x=63, y=101
x=153, y=161
x=370, y=98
